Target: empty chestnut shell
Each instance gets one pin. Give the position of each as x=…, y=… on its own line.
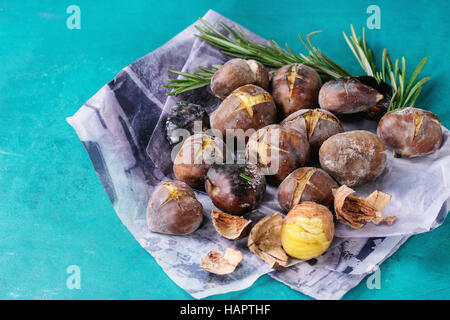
x=238, y=72
x=317, y=124
x=410, y=132
x=248, y=107
x=235, y=188
x=344, y=96
x=174, y=209
x=306, y=184
x=354, y=157
x=294, y=87
x=196, y=156
x=277, y=151
x=183, y=116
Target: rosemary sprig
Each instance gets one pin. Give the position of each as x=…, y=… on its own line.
x=271, y=55
x=244, y=176
x=405, y=93
x=191, y=81
x=240, y=46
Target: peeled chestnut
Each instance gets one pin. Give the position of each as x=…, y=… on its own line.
x=307, y=231
x=354, y=157
x=410, y=132
x=248, y=107
x=277, y=151
x=294, y=87
x=306, y=184
x=174, y=209
x=235, y=188
x=317, y=124
x=183, y=116
x=196, y=156
x=238, y=72
x=343, y=96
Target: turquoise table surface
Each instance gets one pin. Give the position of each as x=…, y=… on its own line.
x=54, y=212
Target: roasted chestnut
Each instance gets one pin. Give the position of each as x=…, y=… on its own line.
x=317, y=124
x=410, y=132
x=196, y=156
x=248, y=107
x=294, y=87
x=306, y=184
x=235, y=188
x=277, y=151
x=354, y=157
x=183, y=116
x=348, y=95
x=174, y=209
x=238, y=72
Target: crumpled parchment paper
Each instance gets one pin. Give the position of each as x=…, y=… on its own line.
x=121, y=127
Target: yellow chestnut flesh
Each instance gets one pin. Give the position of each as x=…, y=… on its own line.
x=307, y=231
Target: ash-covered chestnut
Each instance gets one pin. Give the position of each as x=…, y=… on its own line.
x=410, y=132
x=306, y=184
x=238, y=72
x=248, y=107
x=277, y=151
x=174, y=209
x=317, y=124
x=183, y=116
x=354, y=157
x=307, y=231
x=294, y=87
x=196, y=156
x=349, y=95
x=235, y=188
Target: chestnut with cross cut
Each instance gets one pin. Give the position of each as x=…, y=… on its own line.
x=248, y=107
x=410, y=132
x=294, y=87
x=306, y=184
x=277, y=151
x=317, y=124
x=196, y=156
x=174, y=209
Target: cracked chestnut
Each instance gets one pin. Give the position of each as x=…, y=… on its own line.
x=277, y=151
x=410, y=132
x=306, y=184
x=174, y=209
x=317, y=124
x=248, y=107
x=294, y=87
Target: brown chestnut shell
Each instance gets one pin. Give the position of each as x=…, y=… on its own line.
x=294, y=87
x=354, y=157
x=277, y=151
x=236, y=73
x=306, y=184
x=248, y=107
x=410, y=132
x=174, y=209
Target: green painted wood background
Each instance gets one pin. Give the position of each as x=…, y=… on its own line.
x=53, y=209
